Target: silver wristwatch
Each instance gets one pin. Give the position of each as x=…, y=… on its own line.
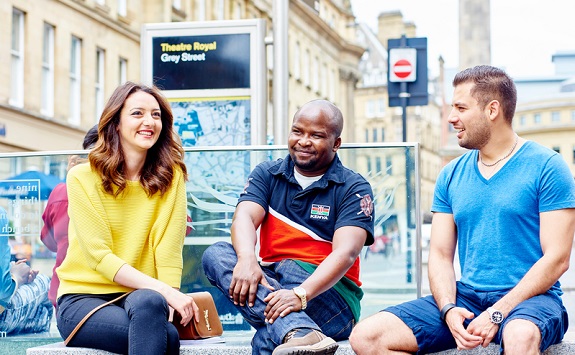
x=495, y=316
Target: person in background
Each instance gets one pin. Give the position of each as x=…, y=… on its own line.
x=54, y=233
x=127, y=210
x=508, y=207
x=314, y=216
x=24, y=304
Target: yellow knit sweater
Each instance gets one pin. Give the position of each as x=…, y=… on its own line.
x=106, y=233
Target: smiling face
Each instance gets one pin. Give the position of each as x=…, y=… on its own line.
x=312, y=141
x=469, y=119
x=140, y=123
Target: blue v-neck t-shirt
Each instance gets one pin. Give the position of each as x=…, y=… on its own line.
x=497, y=219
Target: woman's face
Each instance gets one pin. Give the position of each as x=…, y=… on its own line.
x=140, y=123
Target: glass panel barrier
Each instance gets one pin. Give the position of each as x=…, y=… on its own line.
x=390, y=268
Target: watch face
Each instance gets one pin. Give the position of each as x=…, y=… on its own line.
x=496, y=317
x=299, y=291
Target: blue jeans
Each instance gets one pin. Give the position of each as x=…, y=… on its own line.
x=137, y=324
x=328, y=312
x=29, y=309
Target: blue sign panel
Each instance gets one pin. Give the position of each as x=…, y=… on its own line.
x=413, y=93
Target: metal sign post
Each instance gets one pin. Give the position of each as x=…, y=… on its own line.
x=407, y=86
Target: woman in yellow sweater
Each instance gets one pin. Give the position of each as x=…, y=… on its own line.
x=127, y=210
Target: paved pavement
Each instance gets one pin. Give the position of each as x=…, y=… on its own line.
x=385, y=283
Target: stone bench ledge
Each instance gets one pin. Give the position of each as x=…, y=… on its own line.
x=239, y=344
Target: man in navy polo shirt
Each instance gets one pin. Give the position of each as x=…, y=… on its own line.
x=314, y=215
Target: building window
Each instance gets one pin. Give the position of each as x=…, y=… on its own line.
x=99, y=85
x=399, y=132
x=306, y=65
x=200, y=10
x=368, y=165
x=17, y=51
x=366, y=135
x=380, y=107
x=315, y=83
x=388, y=166
x=48, y=71
x=537, y=118
x=219, y=10
x=374, y=132
x=383, y=134
x=370, y=109
x=123, y=70
x=296, y=62
x=75, y=77
x=555, y=116
x=332, y=85
x=237, y=11
x=323, y=80
x=557, y=149
x=122, y=8
x=377, y=165
x=522, y=120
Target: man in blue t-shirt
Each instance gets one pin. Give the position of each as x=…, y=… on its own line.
x=507, y=207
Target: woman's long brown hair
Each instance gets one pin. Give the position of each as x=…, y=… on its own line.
x=163, y=157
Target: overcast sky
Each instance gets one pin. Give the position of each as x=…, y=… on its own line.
x=524, y=33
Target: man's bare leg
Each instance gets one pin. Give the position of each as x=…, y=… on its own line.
x=382, y=333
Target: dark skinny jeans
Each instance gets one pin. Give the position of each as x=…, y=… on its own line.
x=137, y=324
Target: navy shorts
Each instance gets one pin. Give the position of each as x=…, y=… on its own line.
x=432, y=334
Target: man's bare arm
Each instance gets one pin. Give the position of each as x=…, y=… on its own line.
x=247, y=273
x=442, y=278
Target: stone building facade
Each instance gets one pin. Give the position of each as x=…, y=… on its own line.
x=64, y=58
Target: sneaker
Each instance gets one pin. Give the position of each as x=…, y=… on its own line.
x=312, y=343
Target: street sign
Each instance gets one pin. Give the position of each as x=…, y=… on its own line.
x=407, y=74
x=404, y=65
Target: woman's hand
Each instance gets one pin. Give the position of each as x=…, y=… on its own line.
x=183, y=304
x=180, y=302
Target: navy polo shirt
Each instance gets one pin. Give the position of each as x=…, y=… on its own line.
x=300, y=224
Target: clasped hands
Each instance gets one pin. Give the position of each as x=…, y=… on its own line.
x=480, y=330
x=244, y=285
x=22, y=272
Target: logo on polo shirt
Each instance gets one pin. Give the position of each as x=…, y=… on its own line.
x=365, y=205
x=319, y=211
x=246, y=187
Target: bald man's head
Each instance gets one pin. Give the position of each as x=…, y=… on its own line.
x=328, y=109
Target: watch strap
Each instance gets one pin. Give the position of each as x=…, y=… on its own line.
x=446, y=309
x=301, y=293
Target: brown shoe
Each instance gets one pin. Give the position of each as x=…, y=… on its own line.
x=313, y=343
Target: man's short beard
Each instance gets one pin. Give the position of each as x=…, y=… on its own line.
x=305, y=166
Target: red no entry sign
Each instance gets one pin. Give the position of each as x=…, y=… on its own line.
x=402, y=68
x=403, y=62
